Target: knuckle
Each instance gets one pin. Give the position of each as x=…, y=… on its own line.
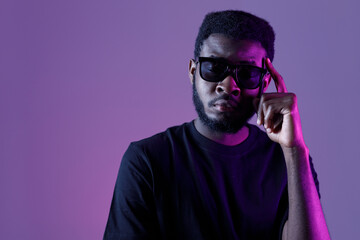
x=293, y=97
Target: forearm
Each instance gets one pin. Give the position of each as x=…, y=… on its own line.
x=306, y=219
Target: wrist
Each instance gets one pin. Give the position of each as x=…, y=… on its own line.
x=295, y=153
x=301, y=148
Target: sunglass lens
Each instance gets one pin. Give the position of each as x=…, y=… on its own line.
x=249, y=77
x=212, y=71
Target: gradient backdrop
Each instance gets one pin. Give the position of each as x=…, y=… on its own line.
x=79, y=80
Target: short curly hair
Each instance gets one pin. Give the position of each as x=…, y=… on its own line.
x=238, y=25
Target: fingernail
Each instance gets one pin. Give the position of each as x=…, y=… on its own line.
x=258, y=121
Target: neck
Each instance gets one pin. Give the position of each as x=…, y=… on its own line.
x=229, y=139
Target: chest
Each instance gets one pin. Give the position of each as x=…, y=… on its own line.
x=219, y=192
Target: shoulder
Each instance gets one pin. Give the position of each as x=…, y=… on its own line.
x=145, y=154
x=161, y=141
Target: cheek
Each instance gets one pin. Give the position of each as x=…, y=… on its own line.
x=205, y=89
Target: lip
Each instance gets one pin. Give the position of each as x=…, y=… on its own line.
x=224, y=105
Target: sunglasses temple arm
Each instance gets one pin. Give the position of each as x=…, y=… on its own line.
x=261, y=87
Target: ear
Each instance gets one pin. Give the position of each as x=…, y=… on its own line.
x=192, y=70
x=266, y=81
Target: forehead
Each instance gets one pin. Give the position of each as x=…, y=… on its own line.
x=218, y=45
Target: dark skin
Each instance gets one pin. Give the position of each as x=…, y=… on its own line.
x=244, y=52
x=278, y=113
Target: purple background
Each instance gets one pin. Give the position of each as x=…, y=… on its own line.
x=79, y=80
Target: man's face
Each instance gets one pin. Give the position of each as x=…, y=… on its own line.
x=223, y=106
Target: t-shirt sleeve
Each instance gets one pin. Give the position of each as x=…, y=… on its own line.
x=132, y=212
x=285, y=201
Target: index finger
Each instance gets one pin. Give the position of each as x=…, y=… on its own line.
x=278, y=80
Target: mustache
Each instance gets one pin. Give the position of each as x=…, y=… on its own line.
x=224, y=97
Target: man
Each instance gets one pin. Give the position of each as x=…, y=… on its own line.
x=219, y=177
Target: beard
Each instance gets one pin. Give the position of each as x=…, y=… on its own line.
x=229, y=122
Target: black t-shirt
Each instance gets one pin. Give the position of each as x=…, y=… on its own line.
x=180, y=185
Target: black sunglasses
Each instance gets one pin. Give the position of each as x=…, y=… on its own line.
x=217, y=69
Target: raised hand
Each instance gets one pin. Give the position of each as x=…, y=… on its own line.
x=279, y=114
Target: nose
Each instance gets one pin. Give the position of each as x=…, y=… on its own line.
x=229, y=86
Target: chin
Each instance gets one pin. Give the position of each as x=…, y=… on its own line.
x=222, y=122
